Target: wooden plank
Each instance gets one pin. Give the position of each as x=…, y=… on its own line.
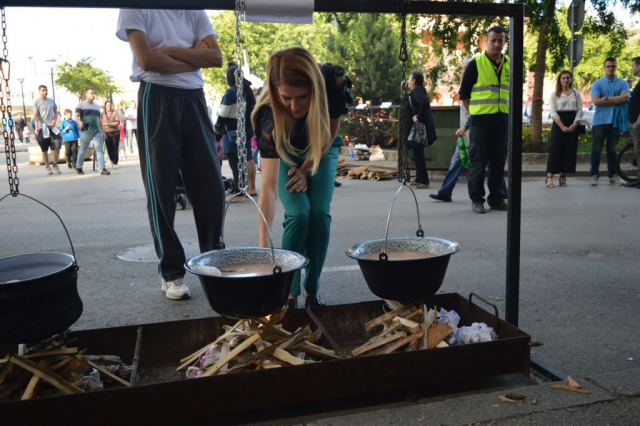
x=110, y=374
x=61, y=364
x=437, y=333
x=569, y=388
x=30, y=391
x=415, y=316
x=285, y=356
x=427, y=321
x=369, y=346
x=234, y=353
x=194, y=356
x=391, y=315
x=392, y=328
x=398, y=344
x=316, y=350
x=573, y=383
x=59, y=352
x=408, y=325
x=48, y=376
x=393, y=304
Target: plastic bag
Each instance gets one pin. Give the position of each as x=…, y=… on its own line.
x=377, y=154
x=452, y=319
x=478, y=332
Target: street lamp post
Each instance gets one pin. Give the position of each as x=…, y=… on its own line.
x=53, y=87
x=24, y=109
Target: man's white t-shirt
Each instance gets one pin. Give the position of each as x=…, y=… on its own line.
x=176, y=28
x=131, y=114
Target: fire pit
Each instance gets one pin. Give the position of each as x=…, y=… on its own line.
x=160, y=385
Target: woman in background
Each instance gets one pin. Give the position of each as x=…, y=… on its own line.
x=566, y=111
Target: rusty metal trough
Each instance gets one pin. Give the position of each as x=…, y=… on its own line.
x=163, y=344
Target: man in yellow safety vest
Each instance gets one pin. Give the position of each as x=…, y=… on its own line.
x=484, y=91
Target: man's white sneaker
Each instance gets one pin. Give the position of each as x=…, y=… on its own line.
x=115, y=166
x=48, y=170
x=615, y=180
x=594, y=180
x=175, y=289
x=56, y=169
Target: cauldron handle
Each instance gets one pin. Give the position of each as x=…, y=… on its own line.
x=264, y=219
x=75, y=264
x=419, y=232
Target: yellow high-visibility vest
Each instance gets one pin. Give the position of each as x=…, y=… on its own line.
x=490, y=95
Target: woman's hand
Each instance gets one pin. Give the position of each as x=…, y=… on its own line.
x=572, y=128
x=298, y=181
x=415, y=118
x=461, y=131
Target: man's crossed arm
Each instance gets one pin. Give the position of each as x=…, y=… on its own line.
x=173, y=60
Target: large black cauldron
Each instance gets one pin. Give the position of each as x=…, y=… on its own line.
x=404, y=280
x=38, y=293
x=247, y=297
x=38, y=296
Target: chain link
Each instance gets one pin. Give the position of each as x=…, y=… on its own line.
x=243, y=180
x=404, y=174
x=5, y=110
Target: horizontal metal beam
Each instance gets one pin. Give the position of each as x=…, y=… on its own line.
x=363, y=6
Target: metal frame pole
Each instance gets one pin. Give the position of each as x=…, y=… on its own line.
x=24, y=108
x=516, y=72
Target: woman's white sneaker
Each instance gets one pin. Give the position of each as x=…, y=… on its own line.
x=176, y=289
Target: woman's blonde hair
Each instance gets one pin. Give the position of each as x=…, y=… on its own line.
x=296, y=67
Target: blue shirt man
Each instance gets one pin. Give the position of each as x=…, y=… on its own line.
x=610, y=95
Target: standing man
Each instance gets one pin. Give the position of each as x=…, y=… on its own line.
x=131, y=117
x=88, y=120
x=609, y=94
x=634, y=117
x=45, y=115
x=484, y=92
x=170, y=48
x=20, y=123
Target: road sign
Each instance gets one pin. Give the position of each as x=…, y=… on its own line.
x=575, y=17
x=574, y=50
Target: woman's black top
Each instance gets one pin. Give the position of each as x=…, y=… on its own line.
x=337, y=98
x=418, y=104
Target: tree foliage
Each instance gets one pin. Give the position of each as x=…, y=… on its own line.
x=368, y=48
x=263, y=39
x=76, y=78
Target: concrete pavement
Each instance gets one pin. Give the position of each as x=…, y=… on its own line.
x=579, y=274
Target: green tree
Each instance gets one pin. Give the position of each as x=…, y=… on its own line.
x=76, y=78
x=262, y=39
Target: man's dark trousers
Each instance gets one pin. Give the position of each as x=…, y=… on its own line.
x=487, y=145
x=612, y=135
x=176, y=134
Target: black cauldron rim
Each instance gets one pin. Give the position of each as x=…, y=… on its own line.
x=72, y=264
x=351, y=250
x=190, y=269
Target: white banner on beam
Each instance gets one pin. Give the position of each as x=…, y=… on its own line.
x=280, y=11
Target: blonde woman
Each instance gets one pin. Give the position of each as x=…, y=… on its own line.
x=566, y=111
x=296, y=121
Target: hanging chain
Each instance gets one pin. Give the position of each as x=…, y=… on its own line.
x=404, y=174
x=243, y=180
x=5, y=110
